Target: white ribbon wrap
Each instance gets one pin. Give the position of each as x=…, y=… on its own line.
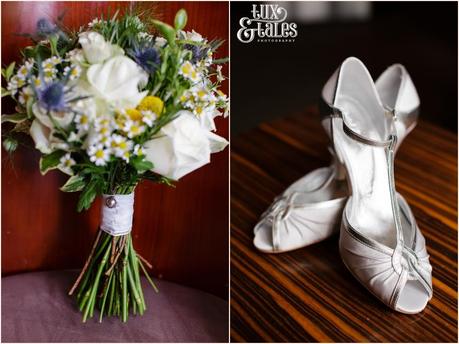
x=117, y=213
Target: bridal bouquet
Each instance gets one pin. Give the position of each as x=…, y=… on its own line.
x=121, y=100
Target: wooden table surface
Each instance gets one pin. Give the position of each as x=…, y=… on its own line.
x=308, y=295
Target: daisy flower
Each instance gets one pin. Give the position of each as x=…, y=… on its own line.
x=66, y=163
x=49, y=74
x=120, y=145
x=82, y=122
x=14, y=84
x=187, y=99
x=51, y=62
x=73, y=71
x=25, y=69
x=133, y=129
x=189, y=72
x=25, y=94
x=198, y=110
x=104, y=131
x=201, y=94
x=98, y=154
x=148, y=117
x=36, y=81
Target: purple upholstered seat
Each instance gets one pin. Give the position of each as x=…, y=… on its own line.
x=36, y=308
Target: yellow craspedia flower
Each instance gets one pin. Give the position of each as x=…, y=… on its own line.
x=134, y=114
x=151, y=103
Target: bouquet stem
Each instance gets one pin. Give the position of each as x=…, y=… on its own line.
x=110, y=279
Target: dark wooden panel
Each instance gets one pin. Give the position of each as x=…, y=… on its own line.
x=308, y=294
x=182, y=231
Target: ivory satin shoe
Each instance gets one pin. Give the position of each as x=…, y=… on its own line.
x=380, y=242
x=309, y=211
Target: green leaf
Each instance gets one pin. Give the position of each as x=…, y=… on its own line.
x=74, y=184
x=88, y=195
x=9, y=71
x=221, y=61
x=14, y=118
x=180, y=19
x=50, y=161
x=140, y=164
x=5, y=92
x=39, y=52
x=166, y=30
x=28, y=52
x=53, y=44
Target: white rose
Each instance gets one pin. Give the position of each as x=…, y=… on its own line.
x=117, y=81
x=96, y=49
x=182, y=146
x=41, y=135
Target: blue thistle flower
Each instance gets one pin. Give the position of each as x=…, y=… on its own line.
x=198, y=52
x=45, y=28
x=147, y=57
x=52, y=97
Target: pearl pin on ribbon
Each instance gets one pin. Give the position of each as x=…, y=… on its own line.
x=117, y=214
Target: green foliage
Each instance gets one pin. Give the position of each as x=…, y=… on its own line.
x=122, y=31
x=5, y=92
x=74, y=184
x=14, y=118
x=89, y=194
x=7, y=72
x=39, y=52
x=180, y=19
x=50, y=161
x=140, y=164
x=166, y=30
x=127, y=30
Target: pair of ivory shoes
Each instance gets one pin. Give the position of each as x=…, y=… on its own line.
x=380, y=242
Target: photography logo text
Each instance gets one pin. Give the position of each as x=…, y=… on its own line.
x=267, y=25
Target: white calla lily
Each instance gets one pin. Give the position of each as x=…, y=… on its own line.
x=182, y=146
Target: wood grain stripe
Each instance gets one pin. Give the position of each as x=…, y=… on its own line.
x=307, y=294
